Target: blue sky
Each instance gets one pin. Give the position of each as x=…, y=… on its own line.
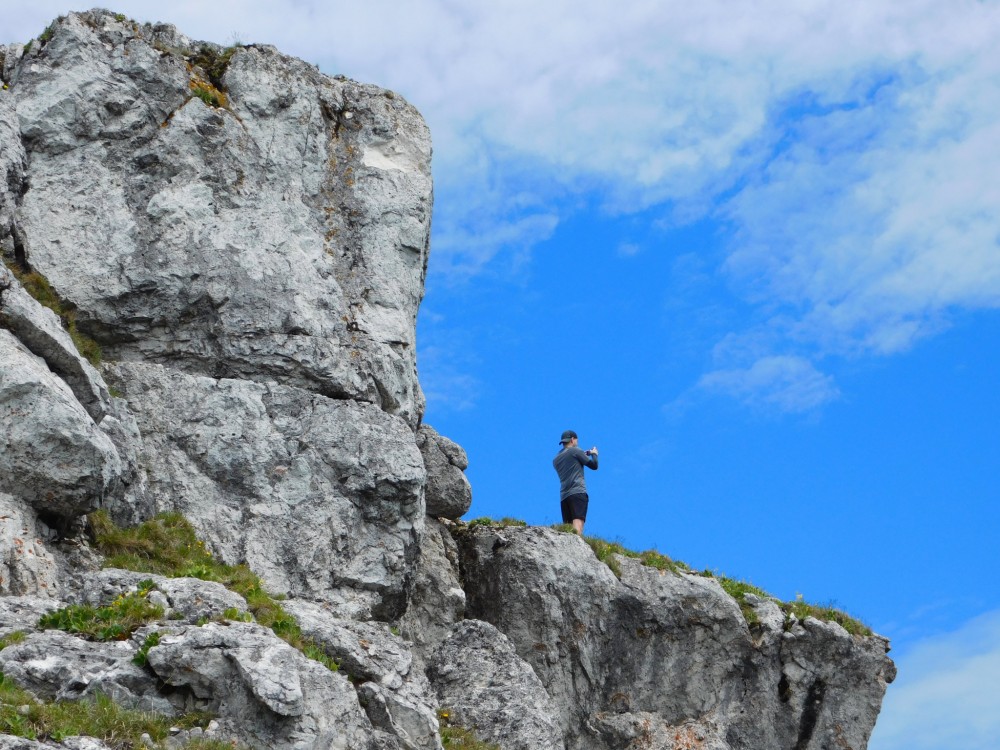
x=748, y=250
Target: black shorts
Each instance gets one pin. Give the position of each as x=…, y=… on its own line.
x=574, y=507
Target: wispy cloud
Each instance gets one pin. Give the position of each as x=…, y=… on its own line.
x=788, y=383
x=947, y=694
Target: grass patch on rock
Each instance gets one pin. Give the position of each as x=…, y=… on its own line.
x=605, y=551
x=115, y=622
x=802, y=609
x=458, y=738
x=11, y=638
x=120, y=728
x=39, y=287
x=504, y=522
x=167, y=545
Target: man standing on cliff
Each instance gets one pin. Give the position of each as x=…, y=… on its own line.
x=569, y=463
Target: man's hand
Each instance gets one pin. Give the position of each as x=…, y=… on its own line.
x=593, y=451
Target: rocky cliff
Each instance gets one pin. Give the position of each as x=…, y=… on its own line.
x=213, y=259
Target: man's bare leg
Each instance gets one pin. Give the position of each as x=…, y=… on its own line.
x=578, y=525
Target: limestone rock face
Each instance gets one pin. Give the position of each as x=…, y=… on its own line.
x=267, y=693
x=283, y=236
x=55, y=457
x=320, y=497
x=393, y=690
x=449, y=493
x=666, y=652
x=437, y=600
x=483, y=684
x=58, y=666
x=27, y=568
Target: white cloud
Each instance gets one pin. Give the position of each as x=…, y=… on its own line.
x=947, y=694
x=788, y=383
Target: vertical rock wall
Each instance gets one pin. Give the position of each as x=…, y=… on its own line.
x=246, y=240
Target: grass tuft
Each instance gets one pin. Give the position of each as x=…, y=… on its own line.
x=167, y=545
x=115, y=622
x=504, y=522
x=141, y=657
x=605, y=552
x=120, y=728
x=459, y=738
x=11, y=638
x=39, y=287
x=801, y=610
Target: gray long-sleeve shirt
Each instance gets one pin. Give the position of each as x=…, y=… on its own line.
x=569, y=463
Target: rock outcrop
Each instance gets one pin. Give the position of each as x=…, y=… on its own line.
x=668, y=654
x=245, y=241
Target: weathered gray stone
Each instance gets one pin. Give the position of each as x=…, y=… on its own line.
x=282, y=237
x=55, y=457
x=630, y=731
x=13, y=163
x=437, y=600
x=319, y=497
x=265, y=692
x=396, y=695
x=449, y=493
x=183, y=599
x=83, y=743
x=27, y=568
x=486, y=687
x=58, y=666
x=23, y=612
x=673, y=646
x=12, y=742
x=40, y=331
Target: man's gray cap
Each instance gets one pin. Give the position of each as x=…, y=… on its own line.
x=567, y=436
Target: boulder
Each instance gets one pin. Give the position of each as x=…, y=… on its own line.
x=449, y=493
x=264, y=691
x=41, y=332
x=54, y=456
x=54, y=665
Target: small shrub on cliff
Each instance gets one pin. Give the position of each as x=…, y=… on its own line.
x=167, y=545
x=214, y=63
